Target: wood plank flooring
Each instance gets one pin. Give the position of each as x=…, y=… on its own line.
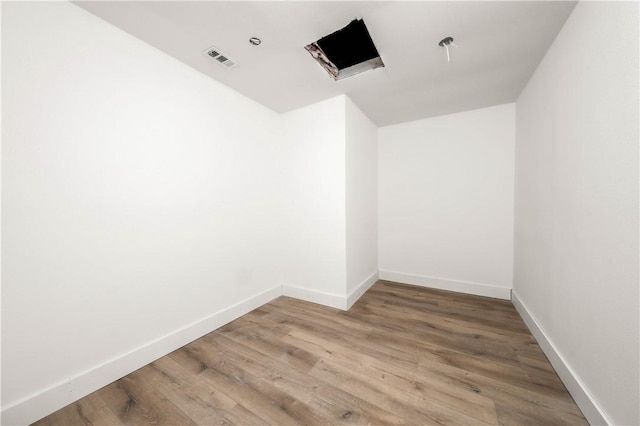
x=401, y=355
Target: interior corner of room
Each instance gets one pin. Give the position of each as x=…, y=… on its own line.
x=151, y=195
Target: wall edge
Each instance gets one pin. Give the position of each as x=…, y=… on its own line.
x=362, y=289
x=584, y=399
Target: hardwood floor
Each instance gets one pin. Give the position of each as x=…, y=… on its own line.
x=402, y=354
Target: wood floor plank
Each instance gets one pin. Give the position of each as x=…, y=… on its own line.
x=385, y=375
x=471, y=344
x=239, y=415
x=331, y=403
x=465, y=326
x=221, y=373
x=273, y=348
x=135, y=402
x=518, y=399
x=200, y=403
x=102, y=417
x=287, y=395
x=401, y=355
x=414, y=408
x=320, y=327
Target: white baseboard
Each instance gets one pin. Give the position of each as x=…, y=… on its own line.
x=361, y=289
x=39, y=405
x=327, y=299
x=590, y=408
x=478, y=289
x=44, y=403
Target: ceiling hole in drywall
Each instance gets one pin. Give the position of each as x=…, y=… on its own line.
x=346, y=52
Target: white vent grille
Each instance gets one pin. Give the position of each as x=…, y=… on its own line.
x=220, y=57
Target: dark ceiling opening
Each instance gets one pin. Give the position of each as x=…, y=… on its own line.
x=346, y=52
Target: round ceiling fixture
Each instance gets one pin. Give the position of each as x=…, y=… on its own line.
x=445, y=41
x=255, y=41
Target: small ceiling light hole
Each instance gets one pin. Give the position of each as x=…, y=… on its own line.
x=446, y=42
x=255, y=41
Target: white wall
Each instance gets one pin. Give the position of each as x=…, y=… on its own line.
x=145, y=204
x=361, y=199
x=313, y=170
x=329, y=180
x=446, y=201
x=576, y=215
x=138, y=199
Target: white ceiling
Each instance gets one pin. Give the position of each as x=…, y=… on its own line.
x=499, y=46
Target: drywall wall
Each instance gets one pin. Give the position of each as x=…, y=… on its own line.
x=446, y=201
x=312, y=163
x=138, y=202
x=361, y=184
x=328, y=163
x=576, y=211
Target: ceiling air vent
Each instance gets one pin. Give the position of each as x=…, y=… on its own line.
x=220, y=57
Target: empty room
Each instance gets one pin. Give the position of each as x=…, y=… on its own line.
x=320, y=212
